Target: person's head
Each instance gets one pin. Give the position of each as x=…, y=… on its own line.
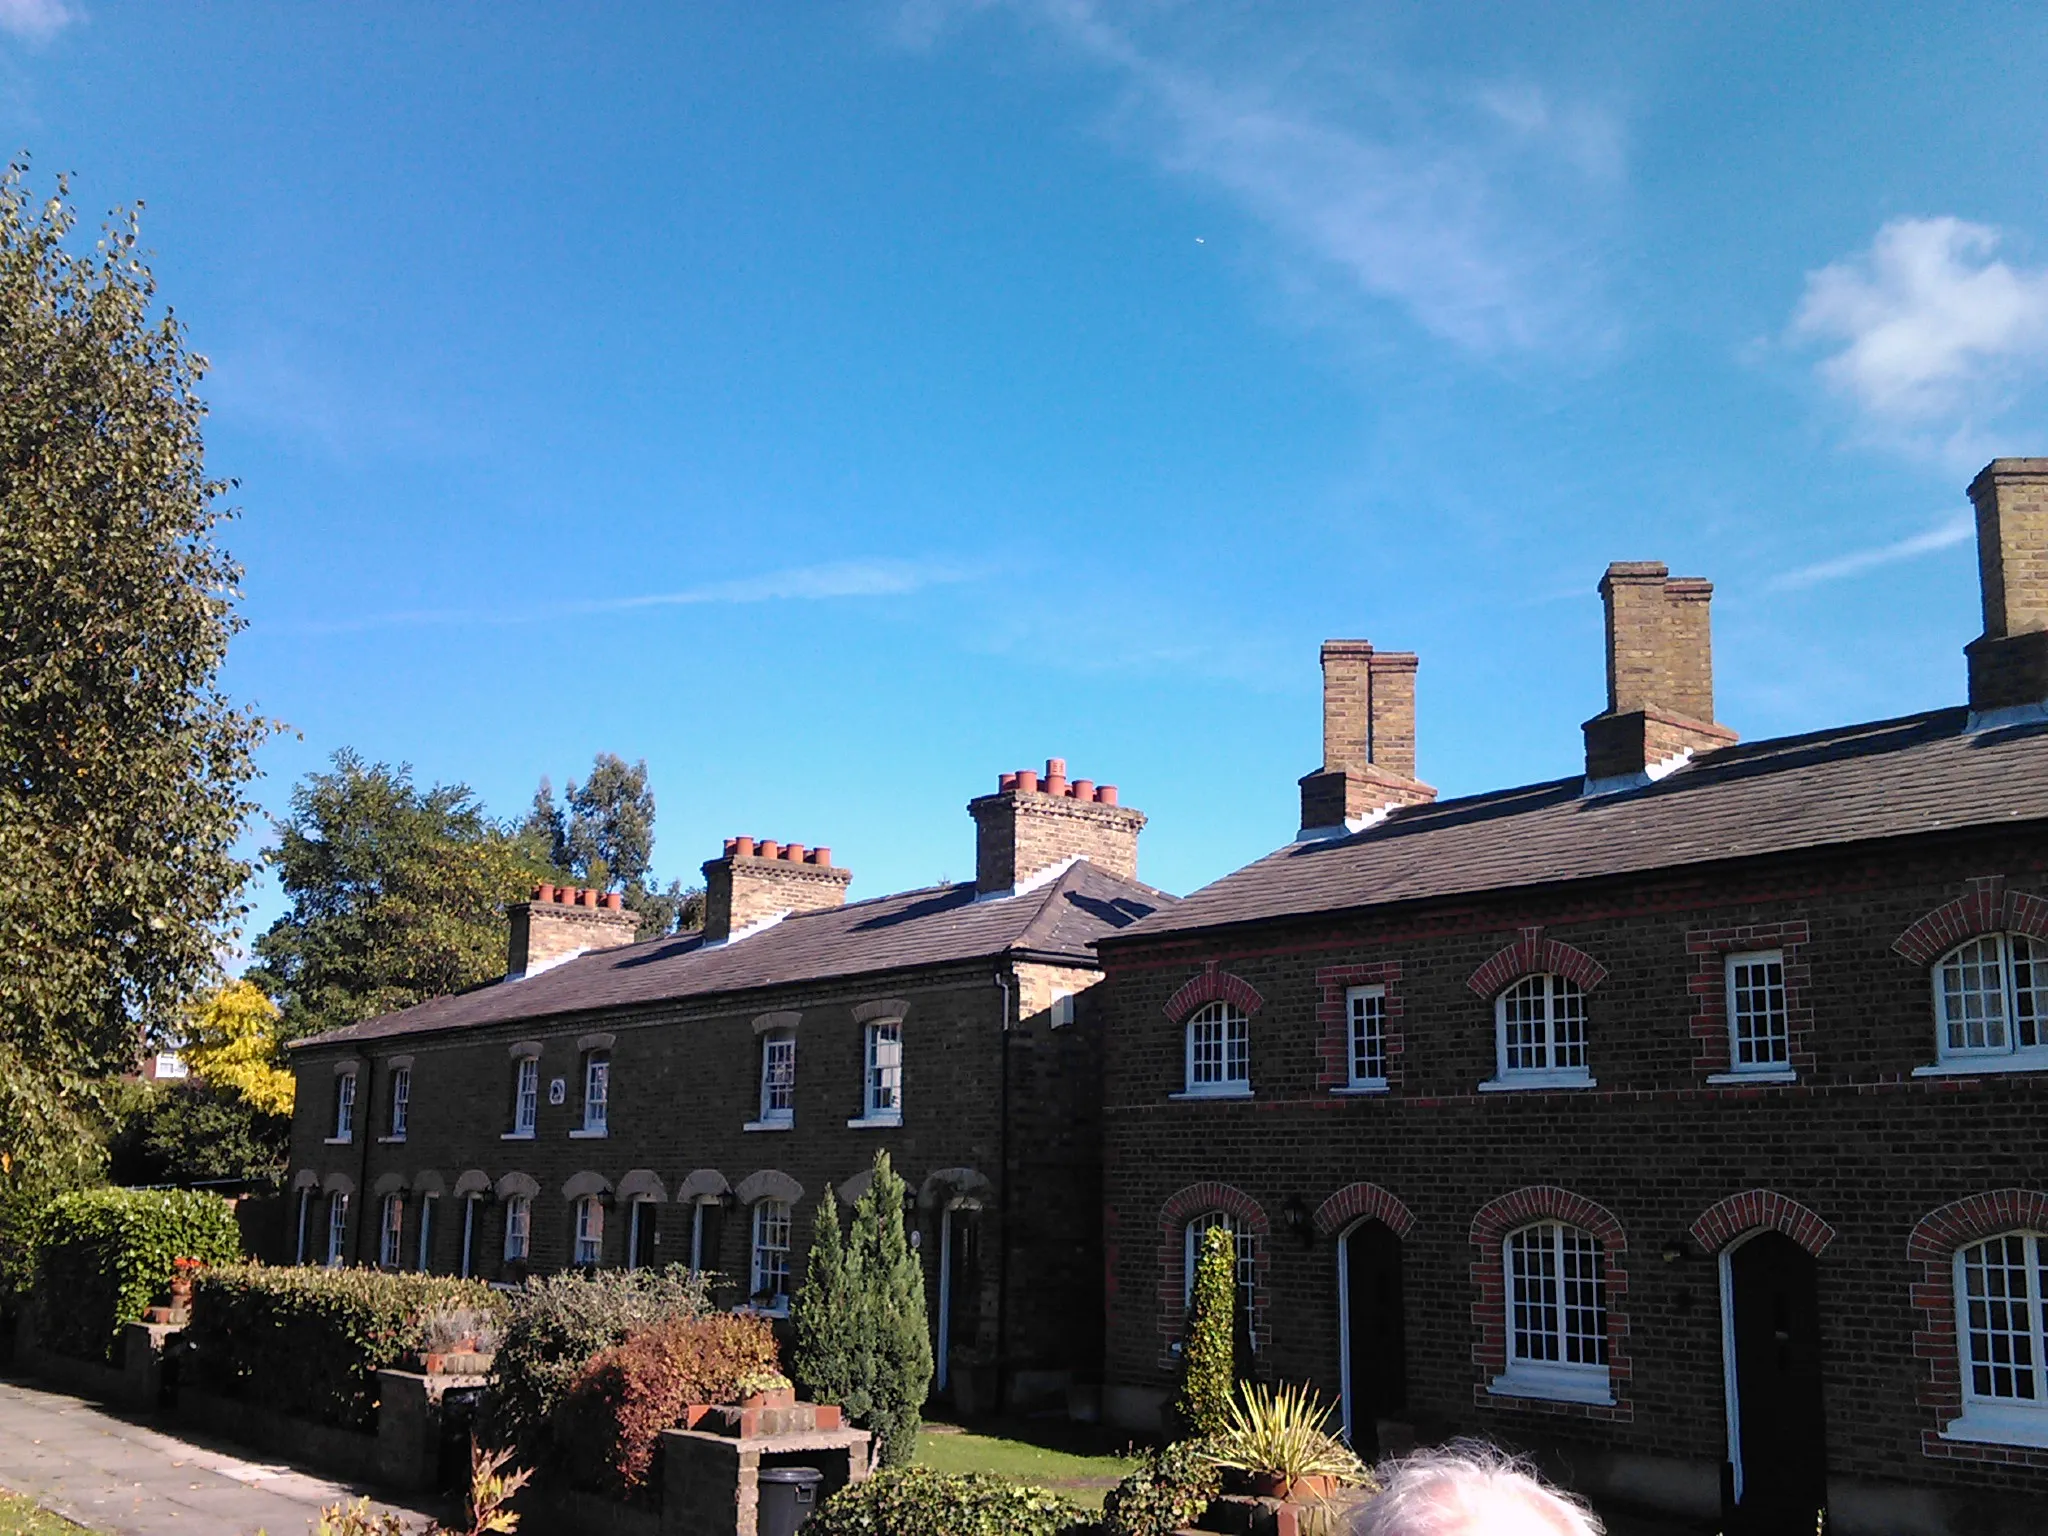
x=1469, y=1488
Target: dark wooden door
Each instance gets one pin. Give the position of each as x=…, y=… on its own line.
x=1377, y=1332
x=1780, y=1426
x=963, y=1286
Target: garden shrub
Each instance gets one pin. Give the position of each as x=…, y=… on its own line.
x=103, y=1255
x=309, y=1342
x=1208, y=1355
x=609, y=1424
x=554, y=1326
x=916, y=1501
x=1167, y=1493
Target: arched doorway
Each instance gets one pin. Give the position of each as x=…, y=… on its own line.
x=959, y=1310
x=1777, y=1431
x=1372, y=1331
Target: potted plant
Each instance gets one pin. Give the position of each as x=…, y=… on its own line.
x=182, y=1273
x=1278, y=1441
x=766, y=1389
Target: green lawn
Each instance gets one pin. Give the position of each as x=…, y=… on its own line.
x=24, y=1517
x=1082, y=1478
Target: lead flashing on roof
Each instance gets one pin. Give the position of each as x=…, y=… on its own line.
x=1349, y=826
x=2004, y=719
x=1034, y=882
x=745, y=933
x=1620, y=783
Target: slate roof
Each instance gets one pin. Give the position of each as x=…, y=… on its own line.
x=941, y=925
x=1893, y=778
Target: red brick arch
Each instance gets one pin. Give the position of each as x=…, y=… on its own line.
x=1355, y=1202
x=1534, y=955
x=1725, y=1220
x=1213, y=986
x=1930, y=1253
x=1490, y=1229
x=1986, y=906
x=1182, y=1207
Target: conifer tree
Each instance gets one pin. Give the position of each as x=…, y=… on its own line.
x=894, y=1332
x=822, y=1361
x=1208, y=1356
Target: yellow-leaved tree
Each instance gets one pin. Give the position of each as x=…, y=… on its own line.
x=233, y=1044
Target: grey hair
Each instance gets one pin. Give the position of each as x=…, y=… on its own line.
x=1470, y=1488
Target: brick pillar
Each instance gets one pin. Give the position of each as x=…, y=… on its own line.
x=2009, y=661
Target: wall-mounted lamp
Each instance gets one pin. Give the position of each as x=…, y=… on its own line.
x=1677, y=1251
x=1298, y=1222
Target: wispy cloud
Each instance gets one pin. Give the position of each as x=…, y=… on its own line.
x=810, y=583
x=35, y=21
x=1468, y=213
x=1929, y=326
x=1945, y=534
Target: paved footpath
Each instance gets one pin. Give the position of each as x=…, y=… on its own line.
x=114, y=1473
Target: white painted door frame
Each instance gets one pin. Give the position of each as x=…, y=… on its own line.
x=1730, y=1387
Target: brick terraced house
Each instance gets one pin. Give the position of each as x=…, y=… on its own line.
x=690, y=1099
x=1685, y=1119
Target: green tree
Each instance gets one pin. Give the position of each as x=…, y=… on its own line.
x=197, y=1133
x=233, y=1044
x=894, y=1360
x=398, y=894
x=611, y=824
x=545, y=832
x=123, y=765
x=1208, y=1355
x=823, y=1358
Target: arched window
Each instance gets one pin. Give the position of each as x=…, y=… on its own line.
x=518, y=1227
x=391, y=1230
x=590, y=1230
x=1540, y=1033
x=1990, y=995
x=1247, y=1255
x=2001, y=1288
x=771, y=1255
x=1219, y=1050
x=1556, y=1313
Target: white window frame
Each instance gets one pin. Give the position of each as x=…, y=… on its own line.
x=2010, y=1056
x=1509, y=1079
x=467, y=1267
x=768, y=1216
x=424, y=1244
x=881, y=1078
x=1735, y=992
x=1233, y=1049
x=1987, y=1418
x=518, y=1228
x=1246, y=1273
x=337, y=1229
x=770, y=1115
x=1567, y=1248
x=525, y=1099
x=597, y=1093
x=698, y=1207
x=589, y=1247
x=391, y=1231
x=1365, y=1036
x=305, y=1224
x=344, y=1108
x=401, y=1101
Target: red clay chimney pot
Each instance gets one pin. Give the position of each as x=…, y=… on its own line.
x=612, y=901
x=1027, y=782
x=793, y=852
x=743, y=846
x=822, y=857
x=1006, y=783
x=1082, y=789
x=1105, y=794
x=768, y=848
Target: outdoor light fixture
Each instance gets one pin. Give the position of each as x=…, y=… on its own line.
x=1677, y=1251
x=1295, y=1214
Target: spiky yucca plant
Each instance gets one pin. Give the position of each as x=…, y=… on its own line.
x=1282, y=1432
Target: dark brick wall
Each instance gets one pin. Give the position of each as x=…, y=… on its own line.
x=1859, y=1140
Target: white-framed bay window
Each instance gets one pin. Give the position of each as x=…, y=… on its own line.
x=1540, y=1035
x=1991, y=1002
x=771, y=1256
x=1219, y=1052
x=1556, y=1289
x=2001, y=1288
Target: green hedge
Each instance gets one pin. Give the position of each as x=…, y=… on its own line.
x=103, y=1255
x=309, y=1342
x=1167, y=1493
x=916, y=1501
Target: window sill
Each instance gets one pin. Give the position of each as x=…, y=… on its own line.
x=782, y=1125
x=1363, y=1090
x=1594, y=1388
x=517, y=1136
x=780, y=1308
x=585, y=1133
x=1991, y=1426
x=392, y=1141
x=876, y=1123
x=1539, y=1082
x=1773, y=1075
x=1981, y=1066
x=341, y=1141
x=1234, y=1091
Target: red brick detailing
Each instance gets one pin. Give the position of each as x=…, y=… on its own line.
x=1986, y=907
x=1708, y=983
x=1534, y=955
x=1356, y=1201
x=1490, y=1229
x=1182, y=1208
x=1931, y=1250
x=1333, y=1026
x=1725, y=1220
x=1212, y=986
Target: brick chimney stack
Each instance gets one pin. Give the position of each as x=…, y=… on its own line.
x=1030, y=825
x=1368, y=737
x=1660, y=677
x=2009, y=661
x=562, y=922
x=759, y=879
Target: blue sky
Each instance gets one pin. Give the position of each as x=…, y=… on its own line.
x=836, y=405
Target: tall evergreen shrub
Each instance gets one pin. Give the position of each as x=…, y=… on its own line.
x=822, y=1356
x=1208, y=1358
x=102, y=1255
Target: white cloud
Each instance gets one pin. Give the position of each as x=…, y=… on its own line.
x=1930, y=326
x=37, y=21
x=1468, y=208
x=1946, y=534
